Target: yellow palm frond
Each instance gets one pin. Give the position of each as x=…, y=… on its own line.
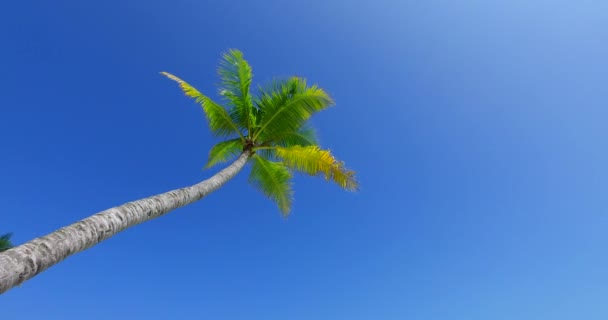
x=314, y=161
x=220, y=122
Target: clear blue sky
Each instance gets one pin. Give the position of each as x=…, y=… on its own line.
x=478, y=129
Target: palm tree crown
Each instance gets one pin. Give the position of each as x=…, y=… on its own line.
x=272, y=126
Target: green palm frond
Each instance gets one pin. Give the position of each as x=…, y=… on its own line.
x=220, y=121
x=306, y=136
x=314, y=161
x=5, y=242
x=236, y=76
x=274, y=180
x=269, y=154
x=278, y=92
x=224, y=151
x=288, y=105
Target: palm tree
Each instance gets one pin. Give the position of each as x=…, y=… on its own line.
x=268, y=130
x=5, y=242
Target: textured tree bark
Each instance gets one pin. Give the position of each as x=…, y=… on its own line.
x=27, y=260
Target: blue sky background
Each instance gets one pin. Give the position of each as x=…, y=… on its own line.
x=478, y=130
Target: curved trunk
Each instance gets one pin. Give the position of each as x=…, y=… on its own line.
x=27, y=260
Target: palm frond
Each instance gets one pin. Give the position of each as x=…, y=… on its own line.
x=236, y=77
x=306, y=136
x=278, y=91
x=224, y=151
x=268, y=154
x=220, y=121
x=5, y=242
x=274, y=180
x=287, y=106
x=314, y=161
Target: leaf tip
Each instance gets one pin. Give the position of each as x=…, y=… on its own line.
x=172, y=77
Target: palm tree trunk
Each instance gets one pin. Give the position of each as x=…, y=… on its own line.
x=27, y=260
